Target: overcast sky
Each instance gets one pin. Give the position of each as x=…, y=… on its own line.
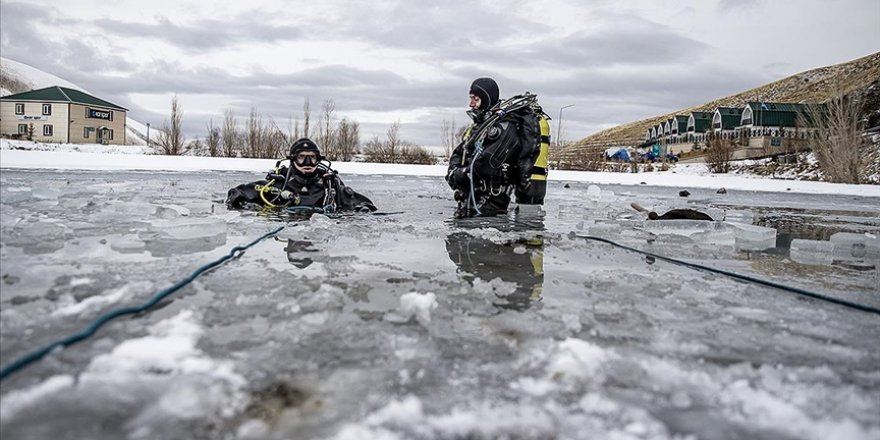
x=384, y=61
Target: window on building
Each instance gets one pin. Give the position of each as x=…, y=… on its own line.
x=19, y=109
x=47, y=109
x=22, y=128
x=110, y=135
x=87, y=131
x=47, y=129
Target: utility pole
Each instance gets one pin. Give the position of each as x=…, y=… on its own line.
x=148, y=134
x=559, y=124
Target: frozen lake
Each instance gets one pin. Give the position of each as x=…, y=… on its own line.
x=409, y=325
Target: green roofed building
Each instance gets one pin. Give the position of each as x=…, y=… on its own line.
x=61, y=114
x=726, y=120
x=679, y=128
x=772, y=115
x=698, y=123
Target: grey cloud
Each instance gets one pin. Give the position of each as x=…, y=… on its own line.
x=204, y=34
x=613, y=39
x=18, y=36
x=728, y=5
x=415, y=25
x=621, y=46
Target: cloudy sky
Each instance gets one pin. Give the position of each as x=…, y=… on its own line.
x=410, y=61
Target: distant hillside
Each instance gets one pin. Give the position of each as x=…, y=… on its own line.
x=859, y=76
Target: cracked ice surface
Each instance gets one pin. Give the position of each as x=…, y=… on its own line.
x=412, y=325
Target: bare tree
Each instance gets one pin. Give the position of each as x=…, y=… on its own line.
x=719, y=154
x=292, y=130
x=273, y=140
x=213, y=139
x=448, y=136
x=171, y=139
x=395, y=150
x=839, y=138
x=588, y=158
x=411, y=153
x=375, y=150
x=325, y=138
x=347, y=139
x=229, y=134
x=307, y=114
x=252, y=134
x=196, y=147
x=393, y=140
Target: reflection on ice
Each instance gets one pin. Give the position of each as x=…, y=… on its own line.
x=512, y=271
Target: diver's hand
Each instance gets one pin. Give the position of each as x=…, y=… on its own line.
x=274, y=177
x=459, y=178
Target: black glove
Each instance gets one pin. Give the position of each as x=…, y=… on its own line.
x=458, y=178
x=272, y=177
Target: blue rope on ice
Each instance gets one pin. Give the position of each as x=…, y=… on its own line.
x=797, y=290
x=103, y=319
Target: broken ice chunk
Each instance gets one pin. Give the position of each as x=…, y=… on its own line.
x=849, y=246
x=812, y=251
x=414, y=305
x=184, y=236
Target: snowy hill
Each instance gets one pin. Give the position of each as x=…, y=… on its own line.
x=859, y=76
x=16, y=77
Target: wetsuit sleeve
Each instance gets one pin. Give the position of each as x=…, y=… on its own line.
x=456, y=174
x=245, y=194
x=277, y=174
x=348, y=199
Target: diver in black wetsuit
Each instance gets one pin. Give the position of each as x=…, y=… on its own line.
x=306, y=183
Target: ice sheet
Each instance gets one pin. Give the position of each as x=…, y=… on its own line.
x=412, y=324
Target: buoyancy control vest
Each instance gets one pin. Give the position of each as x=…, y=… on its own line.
x=533, y=129
x=537, y=188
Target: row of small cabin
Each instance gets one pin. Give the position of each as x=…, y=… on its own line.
x=757, y=123
x=61, y=114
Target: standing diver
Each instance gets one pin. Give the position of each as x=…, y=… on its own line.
x=307, y=183
x=497, y=153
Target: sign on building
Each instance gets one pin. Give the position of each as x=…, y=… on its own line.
x=99, y=114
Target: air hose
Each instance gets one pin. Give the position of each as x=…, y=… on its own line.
x=792, y=289
x=478, y=148
x=36, y=355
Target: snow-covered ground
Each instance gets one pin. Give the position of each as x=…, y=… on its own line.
x=409, y=325
x=24, y=154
